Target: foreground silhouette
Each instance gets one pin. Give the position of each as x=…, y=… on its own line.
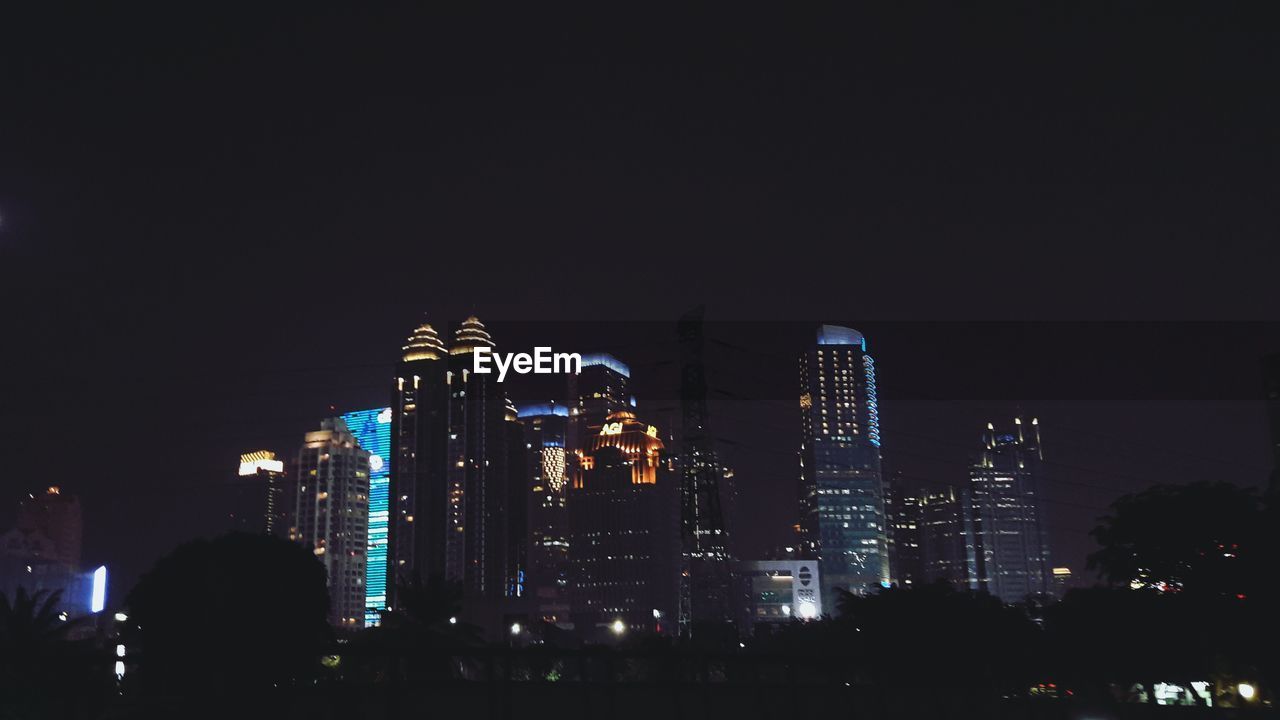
x=243, y=613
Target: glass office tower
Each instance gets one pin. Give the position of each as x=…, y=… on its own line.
x=842, y=512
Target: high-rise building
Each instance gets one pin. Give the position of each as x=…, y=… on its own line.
x=842, y=514
x=332, y=515
x=1061, y=581
x=264, y=496
x=904, y=508
x=41, y=553
x=419, y=489
x=457, y=472
x=597, y=391
x=478, y=513
x=942, y=535
x=624, y=536
x=55, y=515
x=372, y=431
x=926, y=532
x=545, y=427
x=706, y=594
x=516, y=505
x=1006, y=539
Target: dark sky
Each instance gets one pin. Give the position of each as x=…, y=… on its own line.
x=215, y=224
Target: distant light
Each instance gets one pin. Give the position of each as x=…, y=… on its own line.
x=1061, y=571
x=807, y=610
x=251, y=463
x=98, y=600
x=62, y=616
x=742, y=645
x=453, y=621
x=1246, y=690
x=119, y=651
x=515, y=628
x=53, y=490
x=119, y=669
x=618, y=627
x=657, y=614
x=121, y=617
x=786, y=610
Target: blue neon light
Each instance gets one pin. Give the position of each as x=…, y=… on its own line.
x=839, y=335
x=547, y=408
x=372, y=429
x=608, y=361
x=873, y=405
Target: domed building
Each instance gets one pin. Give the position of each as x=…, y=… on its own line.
x=624, y=532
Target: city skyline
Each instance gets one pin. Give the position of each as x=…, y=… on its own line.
x=1093, y=461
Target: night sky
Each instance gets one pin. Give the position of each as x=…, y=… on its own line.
x=215, y=225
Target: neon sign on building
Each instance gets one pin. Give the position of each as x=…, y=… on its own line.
x=372, y=429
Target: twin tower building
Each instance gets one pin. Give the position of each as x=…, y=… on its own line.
x=555, y=513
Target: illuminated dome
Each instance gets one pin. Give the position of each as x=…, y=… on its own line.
x=638, y=441
x=469, y=336
x=424, y=344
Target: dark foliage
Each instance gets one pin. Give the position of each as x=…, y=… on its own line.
x=1199, y=538
x=241, y=611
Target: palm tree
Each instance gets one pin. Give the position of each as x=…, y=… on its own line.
x=31, y=623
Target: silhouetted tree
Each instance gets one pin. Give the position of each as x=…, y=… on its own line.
x=940, y=635
x=40, y=667
x=1200, y=538
x=1201, y=554
x=240, y=612
x=30, y=623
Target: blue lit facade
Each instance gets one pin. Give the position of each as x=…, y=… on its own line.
x=372, y=430
x=842, y=506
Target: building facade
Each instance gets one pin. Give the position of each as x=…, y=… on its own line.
x=842, y=511
x=781, y=591
x=904, y=508
x=418, y=482
x=372, y=431
x=624, y=533
x=1007, y=544
x=332, y=515
x=264, y=497
x=457, y=474
x=545, y=431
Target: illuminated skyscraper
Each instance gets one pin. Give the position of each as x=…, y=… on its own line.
x=1006, y=538
x=333, y=515
x=478, y=547
x=457, y=471
x=545, y=430
x=600, y=389
x=418, y=482
x=624, y=533
x=372, y=430
x=842, y=513
x=264, y=497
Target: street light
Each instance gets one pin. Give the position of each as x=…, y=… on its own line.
x=618, y=627
x=1246, y=690
x=515, y=628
